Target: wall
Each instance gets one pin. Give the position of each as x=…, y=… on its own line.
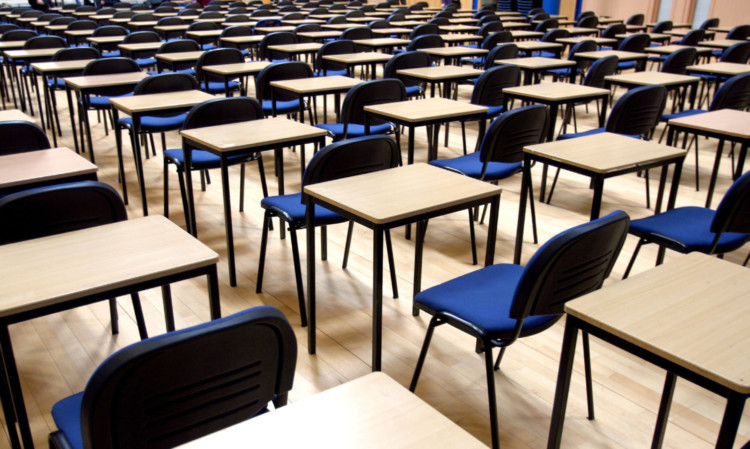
x=731, y=12
x=622, y=9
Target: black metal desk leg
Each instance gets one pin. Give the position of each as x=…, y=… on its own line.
x=418, y=247
x=213, y=293
x=72, y=118
x=596, y=203
x=741, y=161
x=190, y=213
x=489, y=257
x=715, y=172
x=14, y=383
x=228, y=221
x=526, y=179
x=731, y=421
x=564, y=374
x=138, y=160
x=7, y=402
x=377, y=297
x=118, y=145
x=664, y=406
x=410, y=150
x=310, y=221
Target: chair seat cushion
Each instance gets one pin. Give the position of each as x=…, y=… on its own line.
x=689, y=225
x=215, y=87
x=581, y=134
x=102, y=102
x=156, y=124
x=354, y=129
x=56, y=83
x=549, y=54
x=145, y=62
x=202, y=160
x=291, y=208
x=687, y=113
x=332, y=73
x=483, y=298
x=494, y=111
x=111, y=54
x=624, y=65
x=470, y=165
x=282, y=107
x=413, y=90
x=188, y=71
x=67, y=416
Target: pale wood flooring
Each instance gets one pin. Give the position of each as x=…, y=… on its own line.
x=56, y=354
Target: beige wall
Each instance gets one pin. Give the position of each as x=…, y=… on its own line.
x=622, y=9
x=682, y=11
x=730, y=12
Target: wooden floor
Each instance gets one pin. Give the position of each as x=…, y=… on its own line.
x=57, y=354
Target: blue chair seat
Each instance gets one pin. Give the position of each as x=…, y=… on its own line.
x=201, y=160
x=215, y=87
x=413, y=90
x=67, y=416
x=208, y=46
x=102, y=102
x=590, y=133
x=689, y=225
x=548, y=54
x=494, y=111
x=474, y=61
x=292, y=208
x=188, y=71
x=624, y=65
x=471, y=166
x=282, y=107
x=687, y=113
x=111, y=54
x=563, y=71
x=354, y=129
x=56, y=83
x=156, y=124
x=145, y=62
x=331, y=73
x=489, y=302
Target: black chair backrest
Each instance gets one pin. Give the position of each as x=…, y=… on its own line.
x=539, y=16
x=636, y=19
x=425, y=28
x=733, y=213
x=123, y=15
x=502, y=51
x=107, y=66
x=293, y=16
x=351, y=157
x=20, y=137
x=166, y=82
x=18, y=35
x=692, y=37
x=39, y=42
x=169, y=21
x=547, y=24
x=86, y=8
x=426, y=41
x=7, y=27
x=385, y=90
x=216, y=56
x=635, y=43
x=236, y=10
x=599, y=69
x=571, y=264
x=188, y=386
x=141, y=7
x=278, y=38
x=210, y=15
x=140, y=37
x=143, y=17
x=488, y=90
x=489, y=18
x=709, y=23
x=203, y=26
x=357, y=33
x=112, y=30
x=555, y=34
x=614, y=29
x=237, y=30
x=179, y=46
x=62, y=20
x=483, y=13
x=444, y=15
x=588, y=22
x=378, y=24
x=165, y=10
x=354, y=13
x=678, y=61
x=82, y=25
x=278, y=72
x=238, y=18
x=740, y=32
x=581, y=47
x=739, y=53
x=337, y=47
x=638, y=111
x=32, y=13
x=439, y=21
x=222, y=111
x=76, y=54
x=406, y=60
x=662, y=26
x=492, y=40
x=488, y=28
x=587, y=14
x=58, y=208
x=189, y=12
x=733, y=94
x=511, y=132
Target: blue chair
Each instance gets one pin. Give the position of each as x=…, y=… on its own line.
x=142, y=37
x=324, y=67
x=408, y=60
x=174, y=388
x=689, y=229
x=279, y=102
x=635, y=43
x=502, y=303
x=214, y=84
x=501, y=154
x=339, y=160
x=277, y=38
x=21, y=136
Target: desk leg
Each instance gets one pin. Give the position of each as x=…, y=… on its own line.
x=418, y=246
x=664, y=406
x=310, y=221
x=564, y=374
x=136, y=143
x=525, y=183
x=7, y=402
x=741, y=161
x=489, y=257
x=602, y=111
x=228, y=221
x=35, y=81
x=715, y=172
x=84, y=112
x=72, y=118
x=410, y=149
x=118, y=145
x=213, y=293
x=377, y=297
x=693, y=92
x=190, y=213
x=596, y=203
x=731, y=421
x=48, y=107
x=14, y=384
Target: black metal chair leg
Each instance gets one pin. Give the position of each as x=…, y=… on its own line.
x=391, y=263
x=139, y=316
x=587, y=370
x=472, y=236
x=262, y=258
x=349, y=232
x=499, y=357
x=166, y=296
x=632, y=259
x=435, y=321
x=242, y=187
x=298, y=277
x=491, y=394
x=113, y=316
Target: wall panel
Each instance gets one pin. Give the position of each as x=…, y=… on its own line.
x=622, y=9
x=731, y=12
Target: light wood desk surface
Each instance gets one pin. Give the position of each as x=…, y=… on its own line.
x=537, y=62
x=382, y=41
x=105, y=39
x=459, y=28
x=205, y=33
x=95, y=81
x=238, y=68
x=14, y=114
x=604, y=153
x=653, y=36
x=454, y=52
x=296, y=48
x=720, y=68
x=139, y=104
x=340, y=26
x=143, y=46
x=577, y=31
x=691, y=311
x=110, y=256
x=406, y=23
x=426, y=109
x=649, y=78
x=246, y=135
x=242, y=39
x=60, y=66
x=720, y=43
x=525, y=34
x=598, y=40
x=359, y=58
x=421, y=188
x=515, y=25
x=319, y=34
x=306, y=86
x=266, y=30
x=728, y=122
x=35, y=53
x=391, y=30
x=180, y=56
x=302, y=21
x=249, y=23
x=8, y=45
x=556, y=91
x=438, y=73
x=457, y=37
x=537, y=45
x=33, y=167
x=621, y=55
x=171, y=27
x=79, y=33
x=681, y=33
x=667, y=49
x=367, y=413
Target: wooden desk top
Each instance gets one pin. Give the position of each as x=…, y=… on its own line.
x=653, y=36
x=57, y=27
x=296, y=48
x=43, y=165
x=581, y=30
x=360, y=19
x=30, y=54
x=95, y=81
x=302, y=21
x=110, y=256
x=142, y=23
x=556, y=91
x=537, y=45
x=720, y=43
x=9, y=45
x=144, y=46
x=515, y=25
x=684, y=32
x=537, y=62
x=79, y=33
x=453, y=28
x=14, y=114
x=525, y=34
x=60, y=66
x=720, y=68
x=256, y=133
x=250, y=23
x=266, y=30
x=105, y=39
x=359, y=58
x=460, y=20
x=691, y=311
x=205, y=33
x=676, y=25
x=725, y=121
x=649, y=78
x=171, y=27
x=454, y=52
x=370, y=412
x=317, y=84
x=319, y=34
x=391, y=30
x=138, y=104
x=667, y=49
x=622, y=55
x=243, y=39
x=382, y=42
x=238, y=68
x=420, y=188
x=605, y=153
x=598, y=40
x=180, y=56
x=425, y=109
x=461, y=38
x=406, y=23
x=437, y=73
